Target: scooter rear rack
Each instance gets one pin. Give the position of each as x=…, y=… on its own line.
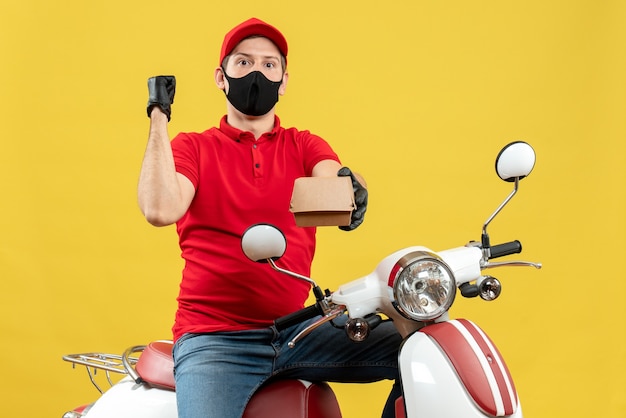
x=110, y=363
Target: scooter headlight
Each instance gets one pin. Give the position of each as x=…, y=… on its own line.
x=423, y=286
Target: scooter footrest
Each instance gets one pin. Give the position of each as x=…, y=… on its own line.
x=400, y=412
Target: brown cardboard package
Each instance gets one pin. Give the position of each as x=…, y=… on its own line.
x=322, y=201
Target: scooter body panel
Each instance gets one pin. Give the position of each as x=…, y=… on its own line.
x=127, y=399
x=447, y=371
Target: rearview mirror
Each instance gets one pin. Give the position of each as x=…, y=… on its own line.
x=515, y=160
x=261, y=242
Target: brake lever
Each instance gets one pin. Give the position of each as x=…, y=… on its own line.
x=490, y=264
x=332, y=314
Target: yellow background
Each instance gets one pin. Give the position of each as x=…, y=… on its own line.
x=417, y=95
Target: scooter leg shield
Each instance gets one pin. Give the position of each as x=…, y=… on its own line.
x=445, y=373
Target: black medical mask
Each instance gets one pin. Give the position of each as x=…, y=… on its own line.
x=252, y=94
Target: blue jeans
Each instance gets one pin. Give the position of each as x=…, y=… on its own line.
x=217, y=373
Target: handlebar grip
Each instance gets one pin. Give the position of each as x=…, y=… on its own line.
x=508, y=248
x=296, y=317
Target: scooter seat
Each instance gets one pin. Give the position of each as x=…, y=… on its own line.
x=289, y=398
x=156, y=365
x=293, y=399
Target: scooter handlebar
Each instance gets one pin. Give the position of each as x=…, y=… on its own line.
x=508, y=248
x=297, y=317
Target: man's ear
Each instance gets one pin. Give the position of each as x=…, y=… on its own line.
x=220, y=80
x=283, y=85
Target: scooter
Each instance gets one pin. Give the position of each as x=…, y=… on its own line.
x=448, y=367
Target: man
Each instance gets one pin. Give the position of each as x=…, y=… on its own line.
x=214, y=185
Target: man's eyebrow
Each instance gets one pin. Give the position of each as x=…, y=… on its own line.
x=246, y=55
x=240, y=53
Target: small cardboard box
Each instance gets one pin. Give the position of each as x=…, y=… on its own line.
x=322, y=201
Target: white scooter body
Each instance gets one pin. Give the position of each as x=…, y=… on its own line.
x=465, y=364
x=127, y=399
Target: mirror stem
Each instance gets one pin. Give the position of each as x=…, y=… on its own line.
x=291, y=273
x=485, y=236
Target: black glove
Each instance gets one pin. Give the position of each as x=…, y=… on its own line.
x=161, y=91
x=360, y=198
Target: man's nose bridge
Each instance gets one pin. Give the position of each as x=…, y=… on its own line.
x=258, y=65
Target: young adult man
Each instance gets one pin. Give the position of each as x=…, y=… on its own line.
x=214, y=185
